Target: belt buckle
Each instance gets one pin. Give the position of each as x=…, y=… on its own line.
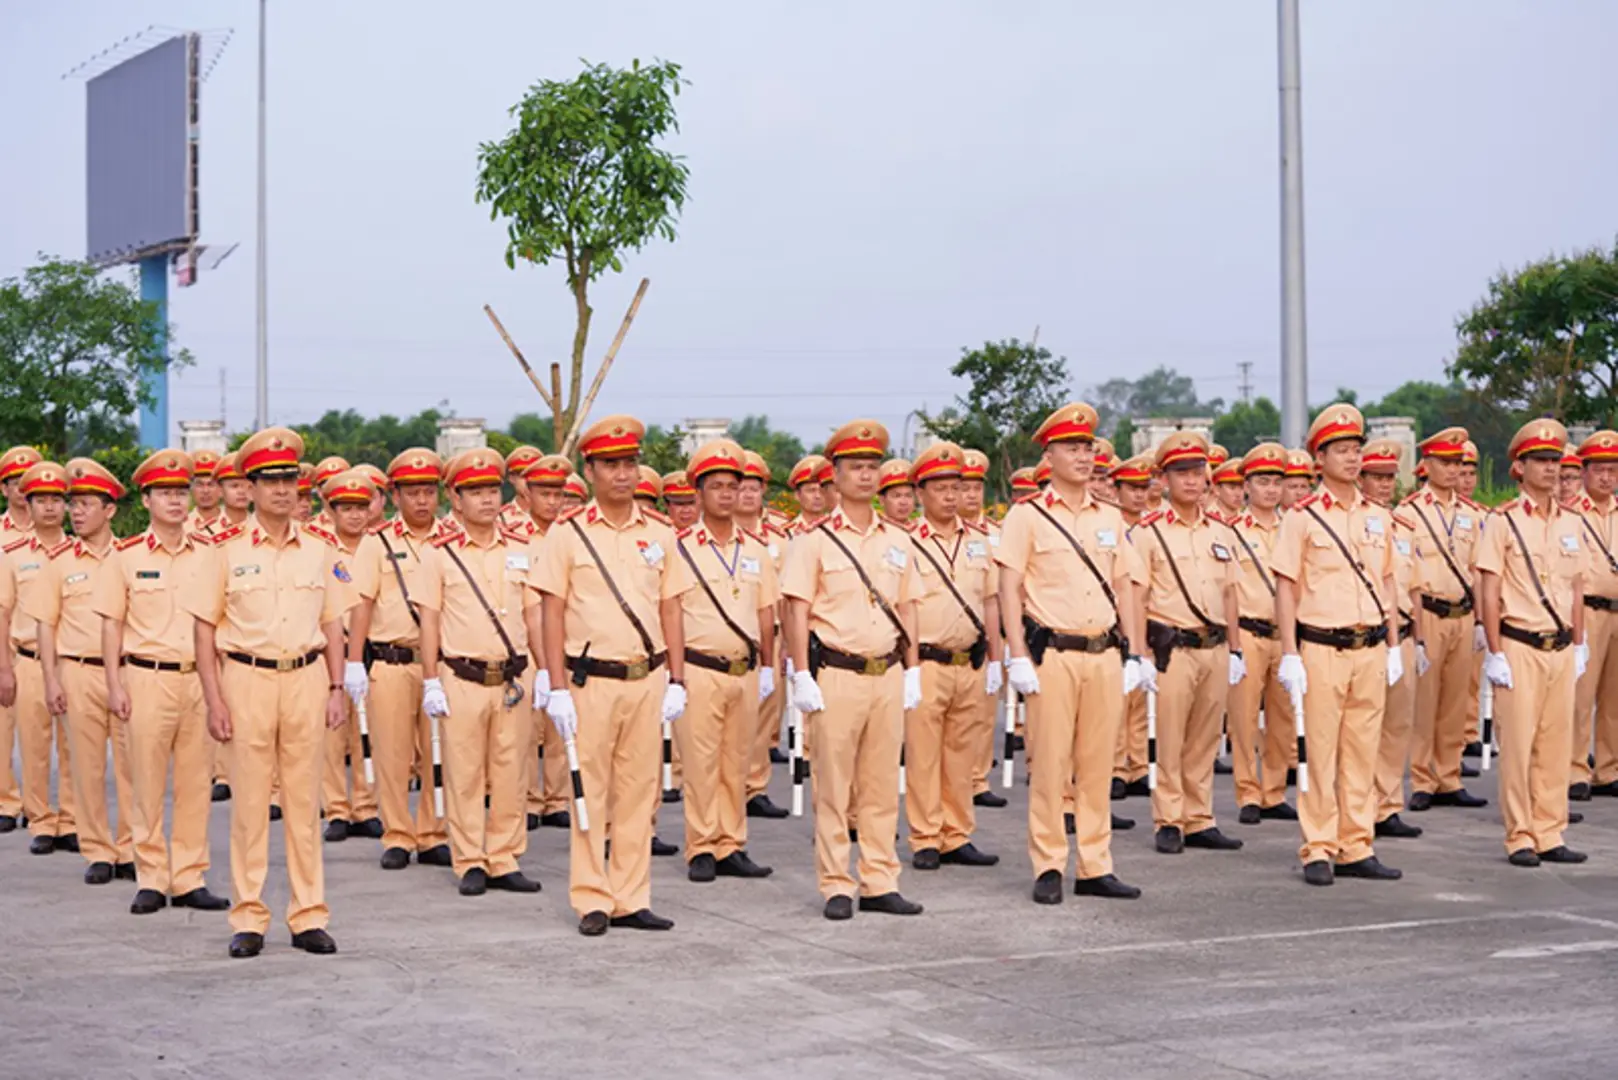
x=1359, y=638
x=287, y=663
x=737, y=668
x=187, y=666
x=959, y=659
x=493, y=676
x=876, y=666
x=638, y=670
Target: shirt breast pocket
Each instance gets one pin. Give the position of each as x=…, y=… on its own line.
x=840, y=582
x=76, y=585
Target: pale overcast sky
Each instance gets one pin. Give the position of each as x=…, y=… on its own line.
x=873, y=185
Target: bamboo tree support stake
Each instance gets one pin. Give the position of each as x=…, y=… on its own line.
x=512, y=345
x=583, y=412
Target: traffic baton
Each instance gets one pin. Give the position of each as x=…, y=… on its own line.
x=1303, y=746
x=1008, y=756
x=1151, y=740
x=1486, y=719
x=795, y=760
x=580, y=813
x=365, y=741
x=668, y=755
x=901, y=770
x=438, y=769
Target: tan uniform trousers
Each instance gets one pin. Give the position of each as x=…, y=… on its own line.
x=1393, y=749
x=1342, y=710
x=35, y=732
x=1595, y=702
x=858, y=738
x=984, y=737
x=1439, y=733
x=1260, y=782
x=219, y=762
x=1191, y=698
x=766, y=735
x=168, y=722
x=716, y=736
x=1472, y=701
x=620, y=753
x=280, y=732
x=91, y=728
x=401, y=735
x=942, y=740
x=10, y=794
x=550, y=791
x=1072, y=742
x=484, y=745
x=344, y=794
x=1534, y=719
x=1130, y=761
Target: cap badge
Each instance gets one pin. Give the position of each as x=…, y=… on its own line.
x=865, y=433
x=275, y=443
x=618, y=430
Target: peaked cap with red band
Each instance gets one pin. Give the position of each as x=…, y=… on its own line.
x=1537, y=436
x=1075, y=420
x=1217, y=455
x=1449, y=443
x=677, y=486
x=806, y=471
x=86, y=476
x=1335, y=423
x=1228, y=472
x=1023, y=482
x=551, y=470
x=205, y=462
x=328, y=467
x=43, y=478
x=1469, y=453
x=1300, y=464
x=1179, y=448
x=1571, y=458
x=520, y=460
x=974, y=465
x=650, y=485
x=227, y=468
x=1266, y=457
x=754, y=466
x=1380, y=455
x=417, y=465
x=275, y=449
x=478, y=467
x=716, y=455
x=1042, y=473
x=858, y=438
x=352, y=487
x=895, y=472
x=612, y=437
x=166, y=468
x=1135, y=470
x=18, y=460
x=940, y=461
x=1600, y=446
x=574, y=485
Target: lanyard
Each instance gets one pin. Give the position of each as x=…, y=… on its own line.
x=730, y=567
x=950, y=555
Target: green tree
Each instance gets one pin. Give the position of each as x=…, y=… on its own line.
x=529, y=429
x=1544, y=340
x=75, y=347
x=1436, y=406
x=1160, y=392
x=582, y=177
x=1246, y=424
x=660, y=449
x=780, y=449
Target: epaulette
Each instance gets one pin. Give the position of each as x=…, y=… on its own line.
x=220, y=537
x=1413, y=497
x=1155, y=515
x=768, y=527
x=1510, y=504
x=569, y=515
x=1307, y=500
x=681, y=534
x=976, y=526
x=1030, y=497
x=1468, y=502
x=657, y=516
x=1404, y=523
x=761, y=537
x=65, y=545
x=315, y=530
x=19, y=542
x=446, y=538
x=129, y=541
x=512, y=533
x=810, y=526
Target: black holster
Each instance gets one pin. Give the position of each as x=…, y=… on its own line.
x=1037, y=638
x=979, y=652
x=817, y=655
x=1160, y=639
x=580, y=674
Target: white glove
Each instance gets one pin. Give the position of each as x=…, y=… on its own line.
x=564, y=717
x=1497, y=669
x=1291, y=674
x=673, y=702
x=1396, y=665
x=1132, y=668
x=1021, y=675
x=766, y=682
x=912, y=688
x=806, y=693
x=995, y=678
x=1581, y=660
x=1238, y=668
x=1147, y=673
x=355, y=682
x=1422, y=666
x=542, y=688
x=433, y=701
x=1480, y=641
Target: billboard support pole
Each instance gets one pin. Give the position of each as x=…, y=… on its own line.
x=154, y=418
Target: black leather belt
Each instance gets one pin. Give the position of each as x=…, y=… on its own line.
x=935, y=654
x=485, y=672
x=1187, y=639
x=615, y=669
x=183, y=667
x=864, y=665
x=1446, y=609
x=1543, y=640
x=1347, y=637
x=1085, y=643
x=93, y=661
x=285, y=663
x=1600, y=603
x=738, y=667
x=25, y=651
x=392, y=654
x=1263, y=628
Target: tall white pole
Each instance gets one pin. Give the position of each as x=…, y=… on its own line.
x=1294, y=334
x=261, y=413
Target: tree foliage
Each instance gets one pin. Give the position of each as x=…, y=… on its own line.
x=780, y=449
x=377, y=440
x=1160, y=392
x=1246, y=424
x=75, y=346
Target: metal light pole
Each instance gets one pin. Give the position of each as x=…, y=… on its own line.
x=1294, y=334
x=261, y=412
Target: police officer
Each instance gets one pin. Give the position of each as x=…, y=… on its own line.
x=1299, y=478
x=154, y=695
x=1130, y=480
x=971, y=509
x=1531, y=564
x=752, y=516
x=324, y=470
x=680, y=500
x=549, y=795
x=207, y=499
x=1595, y=710
x=269, y=606
x=804, y=480
x=1067, y=581
x=1229, y=492
x=235, y=493
x=518, y=513
x=896, y=493
x=15, y=524
x=1570, y=482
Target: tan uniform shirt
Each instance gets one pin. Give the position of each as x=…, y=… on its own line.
x=1404, y=561
x=141, y=586
x=1059, y=591
x=1599, y=577
x=500, y=568
x=266, y=598
x=1203, y=551
x=1330, y=594
x=21, y=564
x=965, y=556
x=841, y=611
x=1456, y=524
x=642, y=560
x=1254, y=600
x=62, y=598
x=741, y=575
x=11, y=529
x=1556, y=548
x=388, y=546
x=196, y=523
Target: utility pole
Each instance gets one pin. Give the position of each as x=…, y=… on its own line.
x=1244, y=385
x=261, y=413
x=1294, y=335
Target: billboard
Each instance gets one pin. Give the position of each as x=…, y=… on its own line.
x=141, y=156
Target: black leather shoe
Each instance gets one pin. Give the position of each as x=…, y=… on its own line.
x=147, y=902
x=777, y=757
x=395, y=858
x=1169, y=841
x=533, y=822
x=659, y=848
x=474, y=882
x=1562, y=854
x=1121, y=823
x=516, y=881
x=1119, y=791
x=1469, y=771
x=1472, y=749
x=839, y=908
x=68, y=842
x=556, y=819
x=1419, y=801
x=246, y=944
x=968, y=855
x=1292, y=777
x=42, y=845
x=1318, y=873
x=1394, y=827
x=853, y=835
x=1141, y=788
x=370, y=828
x=336, y=831
x=1579, y=792
x=740, y=864
x=1459, y=797
x=98, y=873
x=1249, y=814
x=200, y=899
x=1070, y=824
x=1213, y=840
x=1221, y=767
x=643, y=920
x=1523, y=857
x=1369, y=868
x=1281, y=811
x=761, y=806
x=124, y=871
x=1574, y=817
x=1608, y=790
x=8, y=823
x=1018, y=744
x=275, y=813
x=1107, y=886
x=701, y=869
x=435, y=856
x=315, y=941
x=890, y=903
x=221, y=792
x=925, y=859
x=1048, y=888
x=594, y=923
x=671, y=795
x=990, y=799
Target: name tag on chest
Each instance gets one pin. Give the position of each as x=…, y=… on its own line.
x=1463, y=522
x=895, y=558
x=1106, y=538
x=74, y=579
x=748, y=566
x=1570, y=544
x=1373, y=526
x=975, y=549
x=652, y=553
x=148, y=575
x=1221, y=552
x=245, y=571
x=516, y=562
